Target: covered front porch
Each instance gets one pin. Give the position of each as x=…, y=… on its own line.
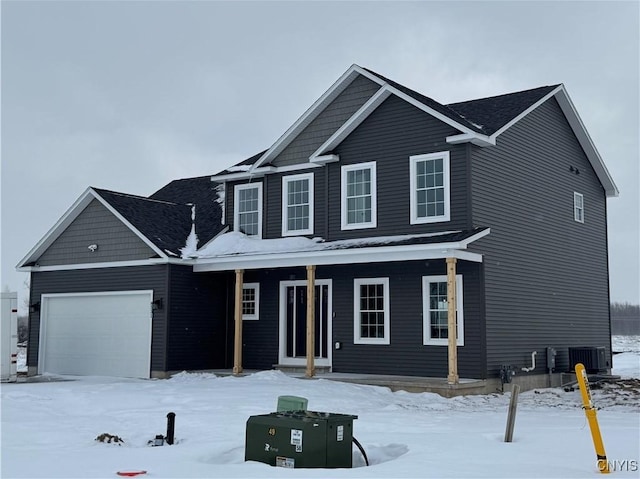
x=310, y=308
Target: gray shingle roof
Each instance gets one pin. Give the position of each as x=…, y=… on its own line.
x=164, y=218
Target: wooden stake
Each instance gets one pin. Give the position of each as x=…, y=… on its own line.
x=237, y=338
x=451, y=322
x=311, y=323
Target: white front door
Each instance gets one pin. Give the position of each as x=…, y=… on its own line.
x=293, y=322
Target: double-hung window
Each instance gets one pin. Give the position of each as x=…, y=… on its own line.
x=358, y=196
x=297, y=204
x=578, y=207
x=371, y=311
x=250, y=301
x=435, y=311
x=429, y=187
x=247, y=213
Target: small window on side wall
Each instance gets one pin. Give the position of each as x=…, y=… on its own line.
x=578, y=207
x=251, y=301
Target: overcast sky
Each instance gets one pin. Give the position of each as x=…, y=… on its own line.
x=128, y=96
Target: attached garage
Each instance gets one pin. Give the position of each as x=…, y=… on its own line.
x=96, y=334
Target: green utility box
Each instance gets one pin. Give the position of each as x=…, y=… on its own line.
x=297, y=439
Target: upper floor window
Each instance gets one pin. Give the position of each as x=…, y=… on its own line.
x=429, y=185
x=371, y=311
x=250, y=301
x=358, y=196
x=247, y=213
x=578, y=207
x=435, y=311
x=297, y=204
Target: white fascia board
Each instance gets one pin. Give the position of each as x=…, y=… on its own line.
x=585, y=141
x=65, y=220
x=475, y=237
x=382, y=254
x=110, y=264
x=257, y=173
x=475, y=138
x=262, y=171
x=324, y=159
x=308, y=116
x=135, y=230
x=352, y=123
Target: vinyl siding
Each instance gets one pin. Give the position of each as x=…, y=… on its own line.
x=395, y=131
x=103, y=279
x=327, y=122
x=405, y=355
x=546, y=275
x=197, y=326
x=95, y=225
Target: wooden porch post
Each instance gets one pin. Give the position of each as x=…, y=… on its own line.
x=451, y=323
x=311, y=323
x=237, y=338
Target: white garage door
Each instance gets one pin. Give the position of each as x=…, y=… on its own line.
x=96, y=334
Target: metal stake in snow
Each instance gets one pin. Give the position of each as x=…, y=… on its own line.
x=511, y=418
x=590, y=412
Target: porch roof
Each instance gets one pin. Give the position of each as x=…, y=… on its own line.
x=235, y=250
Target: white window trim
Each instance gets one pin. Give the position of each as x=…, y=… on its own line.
x=357, y=339
x=426, y=317
x=256, y=288
x=285, y=218
x=371, y=165
x=413, y=160
x=236, y=211
x=577, y=217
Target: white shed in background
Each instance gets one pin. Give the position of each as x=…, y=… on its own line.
x=9, y=334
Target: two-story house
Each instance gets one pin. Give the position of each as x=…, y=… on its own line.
x=382, y=233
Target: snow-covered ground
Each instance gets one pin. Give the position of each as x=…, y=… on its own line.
x=49, y=428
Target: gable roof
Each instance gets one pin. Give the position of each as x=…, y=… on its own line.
x=163, y=221
x=492, y=113
x=479, y=121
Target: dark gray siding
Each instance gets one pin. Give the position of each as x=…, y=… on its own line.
x=197, y=327
x=546, y=275
x=273, y=198
x=405, y=355
x=95, y=225
x=327, y=122
x=395, y=131
x=103, y=279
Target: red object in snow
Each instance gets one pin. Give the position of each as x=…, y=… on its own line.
x=130, y=473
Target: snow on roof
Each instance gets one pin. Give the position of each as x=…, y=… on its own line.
x=236, y=243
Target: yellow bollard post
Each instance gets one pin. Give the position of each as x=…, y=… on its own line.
x=590, y=412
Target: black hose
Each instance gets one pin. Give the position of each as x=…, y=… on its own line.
x=364, y=454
